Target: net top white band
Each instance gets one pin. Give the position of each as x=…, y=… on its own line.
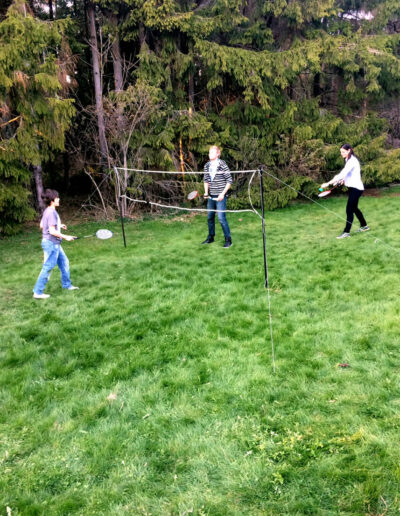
x=185, y=209
x=180, y=173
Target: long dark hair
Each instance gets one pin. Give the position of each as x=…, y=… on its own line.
x=49, y=195
x=347, y=146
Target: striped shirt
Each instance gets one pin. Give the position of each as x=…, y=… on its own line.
x=220, y=179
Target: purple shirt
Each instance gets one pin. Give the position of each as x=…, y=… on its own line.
x=50, y=218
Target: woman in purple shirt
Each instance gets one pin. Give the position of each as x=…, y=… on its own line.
x=51, y=244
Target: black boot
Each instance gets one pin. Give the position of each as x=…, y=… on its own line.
x=228, y=242
x=209, y=240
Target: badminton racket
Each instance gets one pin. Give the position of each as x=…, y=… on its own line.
x=192, y=195
x=325, y=193
x=102, y=234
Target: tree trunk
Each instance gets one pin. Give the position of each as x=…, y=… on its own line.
x=51, y=12
x=97, y=78
x=119, y=86
x=142, y=35
x=116, y=55
x=67, y=168
x=364, y=108
x=317, y=90
x=191, y=90
x=38, y=177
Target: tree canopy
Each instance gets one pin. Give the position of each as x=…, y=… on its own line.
x=280, y=83
x=34, y=116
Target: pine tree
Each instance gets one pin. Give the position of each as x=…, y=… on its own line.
x=276, y=82
x=33, y=114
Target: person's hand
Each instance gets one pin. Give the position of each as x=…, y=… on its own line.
x=63, y=226
x=205, y=196
x=324, y=185
x=220, y=197
x=68, y=238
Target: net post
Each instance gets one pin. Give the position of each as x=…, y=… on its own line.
x=121, y=212
x=263, y=227
x=122, y=220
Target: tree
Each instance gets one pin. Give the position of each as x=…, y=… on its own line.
x=97, y=81
x=276, y=82
x=33, y=114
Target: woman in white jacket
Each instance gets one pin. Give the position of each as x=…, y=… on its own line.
x=351, y=177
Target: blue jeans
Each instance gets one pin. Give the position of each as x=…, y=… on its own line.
x=213, y=204
x=53, y=255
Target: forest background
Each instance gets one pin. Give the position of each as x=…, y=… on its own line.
x=86, y=86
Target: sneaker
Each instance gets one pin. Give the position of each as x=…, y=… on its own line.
x=228, y=242
x=363, y=228
x=41, y=296
x=343, y=235
x=208, y=240
x=72, y=288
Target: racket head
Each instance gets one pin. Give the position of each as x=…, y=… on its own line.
x=324, y=194
x=104, y=234
x=193, y=195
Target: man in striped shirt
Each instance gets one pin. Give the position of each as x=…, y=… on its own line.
x=217, y=181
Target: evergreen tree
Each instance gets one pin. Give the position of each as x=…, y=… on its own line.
x=33, y=114
x=282, y=83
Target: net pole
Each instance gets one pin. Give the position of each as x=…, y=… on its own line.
x=122, y=220
x=263, y=228
x=266, y=284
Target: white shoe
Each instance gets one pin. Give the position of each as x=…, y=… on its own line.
x=72, y=287
x=343, y=235
x=361, y=229
x=41, y=296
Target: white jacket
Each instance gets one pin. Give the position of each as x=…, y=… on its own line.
x=351, y=174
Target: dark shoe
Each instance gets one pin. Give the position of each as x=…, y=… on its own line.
x=228, y=242
x=209, y=240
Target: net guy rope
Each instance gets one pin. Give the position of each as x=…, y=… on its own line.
x=370, y=235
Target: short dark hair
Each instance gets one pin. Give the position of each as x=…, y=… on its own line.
x=49, y=195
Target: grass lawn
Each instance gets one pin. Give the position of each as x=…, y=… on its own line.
x=151, y=391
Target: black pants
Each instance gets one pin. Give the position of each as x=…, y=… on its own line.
x=352, y=208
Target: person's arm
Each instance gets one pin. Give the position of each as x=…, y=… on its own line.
x=53, y=231
x=223, y=193
x=228, y=177
x=339, y=177
x=207, y=180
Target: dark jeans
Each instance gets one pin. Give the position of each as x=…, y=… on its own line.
x=213, y=204
x=352, y=208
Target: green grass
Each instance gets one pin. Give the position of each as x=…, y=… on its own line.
x=178, y=333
